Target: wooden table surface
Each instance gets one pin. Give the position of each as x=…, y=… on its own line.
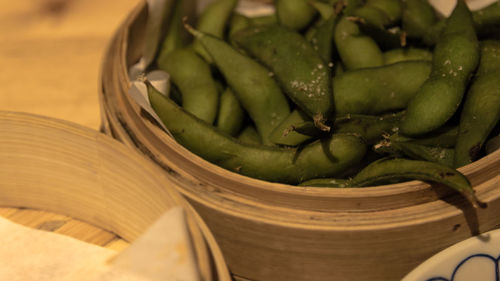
x=51, y=53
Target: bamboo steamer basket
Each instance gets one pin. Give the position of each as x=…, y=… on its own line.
x=270, y=231
x=57, y=166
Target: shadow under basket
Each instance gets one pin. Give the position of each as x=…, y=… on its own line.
x=61, y=167
x=269, y=231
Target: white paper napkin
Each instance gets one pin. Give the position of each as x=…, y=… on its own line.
x=163, y=252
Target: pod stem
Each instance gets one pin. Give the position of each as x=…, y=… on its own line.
x=319, y=122
x=191, y=29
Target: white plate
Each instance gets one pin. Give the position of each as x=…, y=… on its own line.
x=476, y=258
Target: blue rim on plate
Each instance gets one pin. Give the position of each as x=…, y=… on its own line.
x=476, y=258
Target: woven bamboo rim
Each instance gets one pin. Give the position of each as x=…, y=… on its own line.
x=296, y=233
x=64, y=168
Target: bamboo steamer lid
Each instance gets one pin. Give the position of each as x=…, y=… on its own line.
x=270, y=231
x=65, y=168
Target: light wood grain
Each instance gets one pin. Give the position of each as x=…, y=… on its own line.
x=64, y=225
x=76, y=172
x=297, y=233
x=51, y=54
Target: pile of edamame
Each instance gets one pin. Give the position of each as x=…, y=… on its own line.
x=334, y=93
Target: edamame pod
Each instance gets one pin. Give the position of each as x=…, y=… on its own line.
x=294, y=14
x=406, y=54
x=380, y=13
x=392, y=8
x=351, y=5
x=213, y=21
x=418, y=17
x=249, y=135
x=370, y=128
x=445, y=136
x=326, y=158
x=455, y=57
x=175, y=94
x=264, y=20
x=377, y=18
x=326, y=9
x=176, y=36
x=320, y=35
x=378, y=89
x=192, y=76
x=492, y=145
x=435, y=154
x=230, y=115
x=481, y=111
x=238, y=22
x=490, y=57
x=299, y=69
x=285, y=133
x=355, y=49
x=487, y=20
x=257, y=92
x=486, y=23
x=390, y=170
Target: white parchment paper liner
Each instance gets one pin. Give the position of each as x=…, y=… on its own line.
x=163, y=252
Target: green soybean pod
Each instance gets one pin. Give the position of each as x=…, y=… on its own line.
x=264, y=20
x=445, y=136
x=487, y=19
x=492, y=144
x=176, y=36
x=294, y=14
x=320, y=34
x=480, y=115
x=377, y=90
x=490, y=57
x=238, y=22
x=356, y=50
x=418, y=17
x=175, y=94
x=350, y=6
x=249, y=135
x=481, y=111
x=455, y=57
x=325, y=158
x=380, y=13
x=326, y=9
x=370, y=128
x=213, y=20
x=390, y=170
x=435, y=154
x=338, y=68
x=257, y=92
x=372, y=15
x=392, y=8
x=406, y=54
x=486, y=23
x=192, y=76
x=285, y=133
x=377, y=19
x=298, y=68
x=230, y=116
